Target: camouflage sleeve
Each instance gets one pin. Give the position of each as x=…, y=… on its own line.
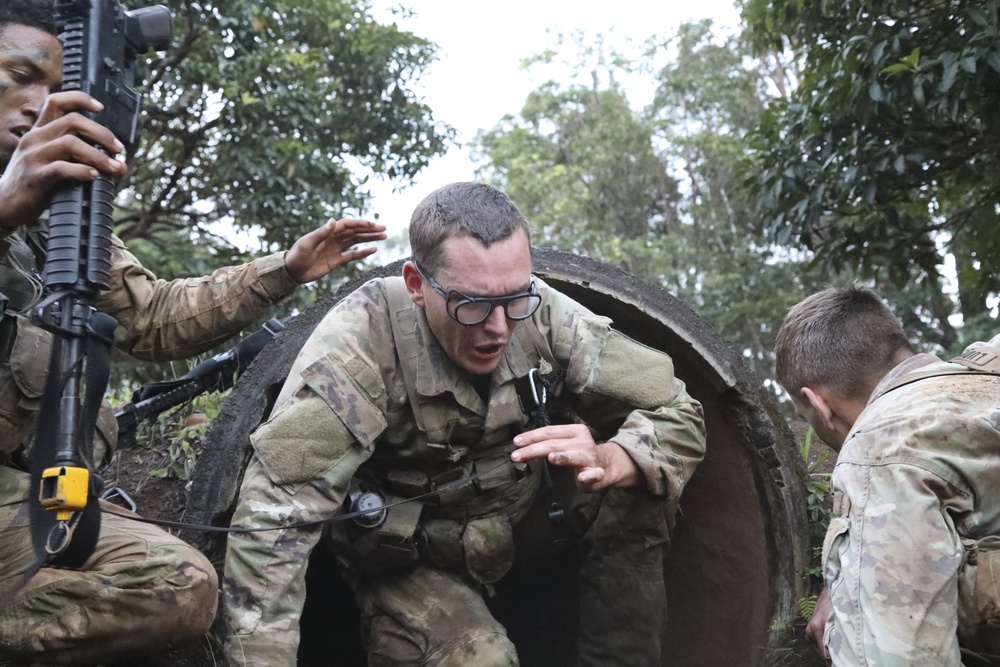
x=163, y=320
x=667, y=443
x=264, y=580
x=891, y=559
x=655, y=420
x=331, y=411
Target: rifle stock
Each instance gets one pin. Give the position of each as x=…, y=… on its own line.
x=215, y=374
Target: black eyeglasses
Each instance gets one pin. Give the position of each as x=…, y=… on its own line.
x=473, y=310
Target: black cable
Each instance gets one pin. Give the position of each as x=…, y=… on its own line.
x=457, y=484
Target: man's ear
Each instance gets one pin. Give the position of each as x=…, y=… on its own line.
x=819, y=400
x=414, y=283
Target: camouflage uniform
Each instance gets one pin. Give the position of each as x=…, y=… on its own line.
x=141, y=589
x=917, y=475
x=346, y=412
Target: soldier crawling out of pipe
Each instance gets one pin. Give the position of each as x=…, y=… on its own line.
x=412, y=388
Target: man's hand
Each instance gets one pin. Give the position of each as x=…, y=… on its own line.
x=322, y=250
x=817, y=624
x=59, y=147
x=597, y=466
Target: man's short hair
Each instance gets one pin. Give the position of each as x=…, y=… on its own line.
x=844, y=339
x=34, y=13
x=462, y=209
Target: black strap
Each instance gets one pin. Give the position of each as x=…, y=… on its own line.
x=533, y=394
x=70, y=545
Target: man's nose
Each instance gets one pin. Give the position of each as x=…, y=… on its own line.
x=497, y=321
x=34, y=99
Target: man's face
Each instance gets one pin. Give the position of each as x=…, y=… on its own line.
x=30, y=70
x=474, y=270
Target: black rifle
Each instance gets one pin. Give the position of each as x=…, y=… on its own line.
x=215, y=374
x=100, y=44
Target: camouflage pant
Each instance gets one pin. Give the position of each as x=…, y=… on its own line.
x=427, y=617
x=141, y=590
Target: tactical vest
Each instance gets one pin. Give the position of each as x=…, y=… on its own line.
x=25, y=349
x=479, y=495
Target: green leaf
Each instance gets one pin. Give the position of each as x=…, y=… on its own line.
x=896, y=69
x=875, y=91
x=948, y=77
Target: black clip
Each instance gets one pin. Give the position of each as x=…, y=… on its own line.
x=533, y=394
x=533, y=400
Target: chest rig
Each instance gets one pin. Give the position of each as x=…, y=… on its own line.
x=452, y=493
x=445, y=440
x=20, y=282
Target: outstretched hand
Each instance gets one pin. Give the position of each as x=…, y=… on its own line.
x=597, y=466
x=322, y=250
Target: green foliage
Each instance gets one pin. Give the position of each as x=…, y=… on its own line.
x=256, y=111
x=807, y=606
x=818, y=504
x=180, y=432
x=886, y=156
x=658, y=191
x=253, y=118
x=182, y=455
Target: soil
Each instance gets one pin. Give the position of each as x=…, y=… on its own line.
x=158, y=498
x=155, y=497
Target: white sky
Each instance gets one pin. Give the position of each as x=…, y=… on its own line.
x=477, y=79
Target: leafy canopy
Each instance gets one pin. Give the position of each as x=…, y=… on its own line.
x=258, y=113
x=887, y=157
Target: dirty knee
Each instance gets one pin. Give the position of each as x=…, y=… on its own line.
x=195, y=596
x=489, y=649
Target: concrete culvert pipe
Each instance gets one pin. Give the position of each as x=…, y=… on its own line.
x=734, y=568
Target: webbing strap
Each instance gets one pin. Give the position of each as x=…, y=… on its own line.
x=86, y=525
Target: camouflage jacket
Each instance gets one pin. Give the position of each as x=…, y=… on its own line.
x=158, y=320
x=345, y=407
x=918, y=472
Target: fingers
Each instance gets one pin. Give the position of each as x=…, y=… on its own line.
x=355, y=227
x=355, y=255
x=68, y=152
x=567, y=444
x=591, y=479
x=57, y=118
x=816, y=627
x=324, y=249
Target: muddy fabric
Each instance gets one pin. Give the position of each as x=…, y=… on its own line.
x=918, y=473
x=355, y=366
x=427, y=617
x=143, y=589
x=623, y=607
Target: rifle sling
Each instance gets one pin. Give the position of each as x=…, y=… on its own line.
x=99, y=337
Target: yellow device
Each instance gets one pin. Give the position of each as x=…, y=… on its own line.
x=64, y=489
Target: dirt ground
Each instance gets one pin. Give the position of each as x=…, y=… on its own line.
x=158, y=498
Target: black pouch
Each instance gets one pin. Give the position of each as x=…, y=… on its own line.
x=380, y=535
